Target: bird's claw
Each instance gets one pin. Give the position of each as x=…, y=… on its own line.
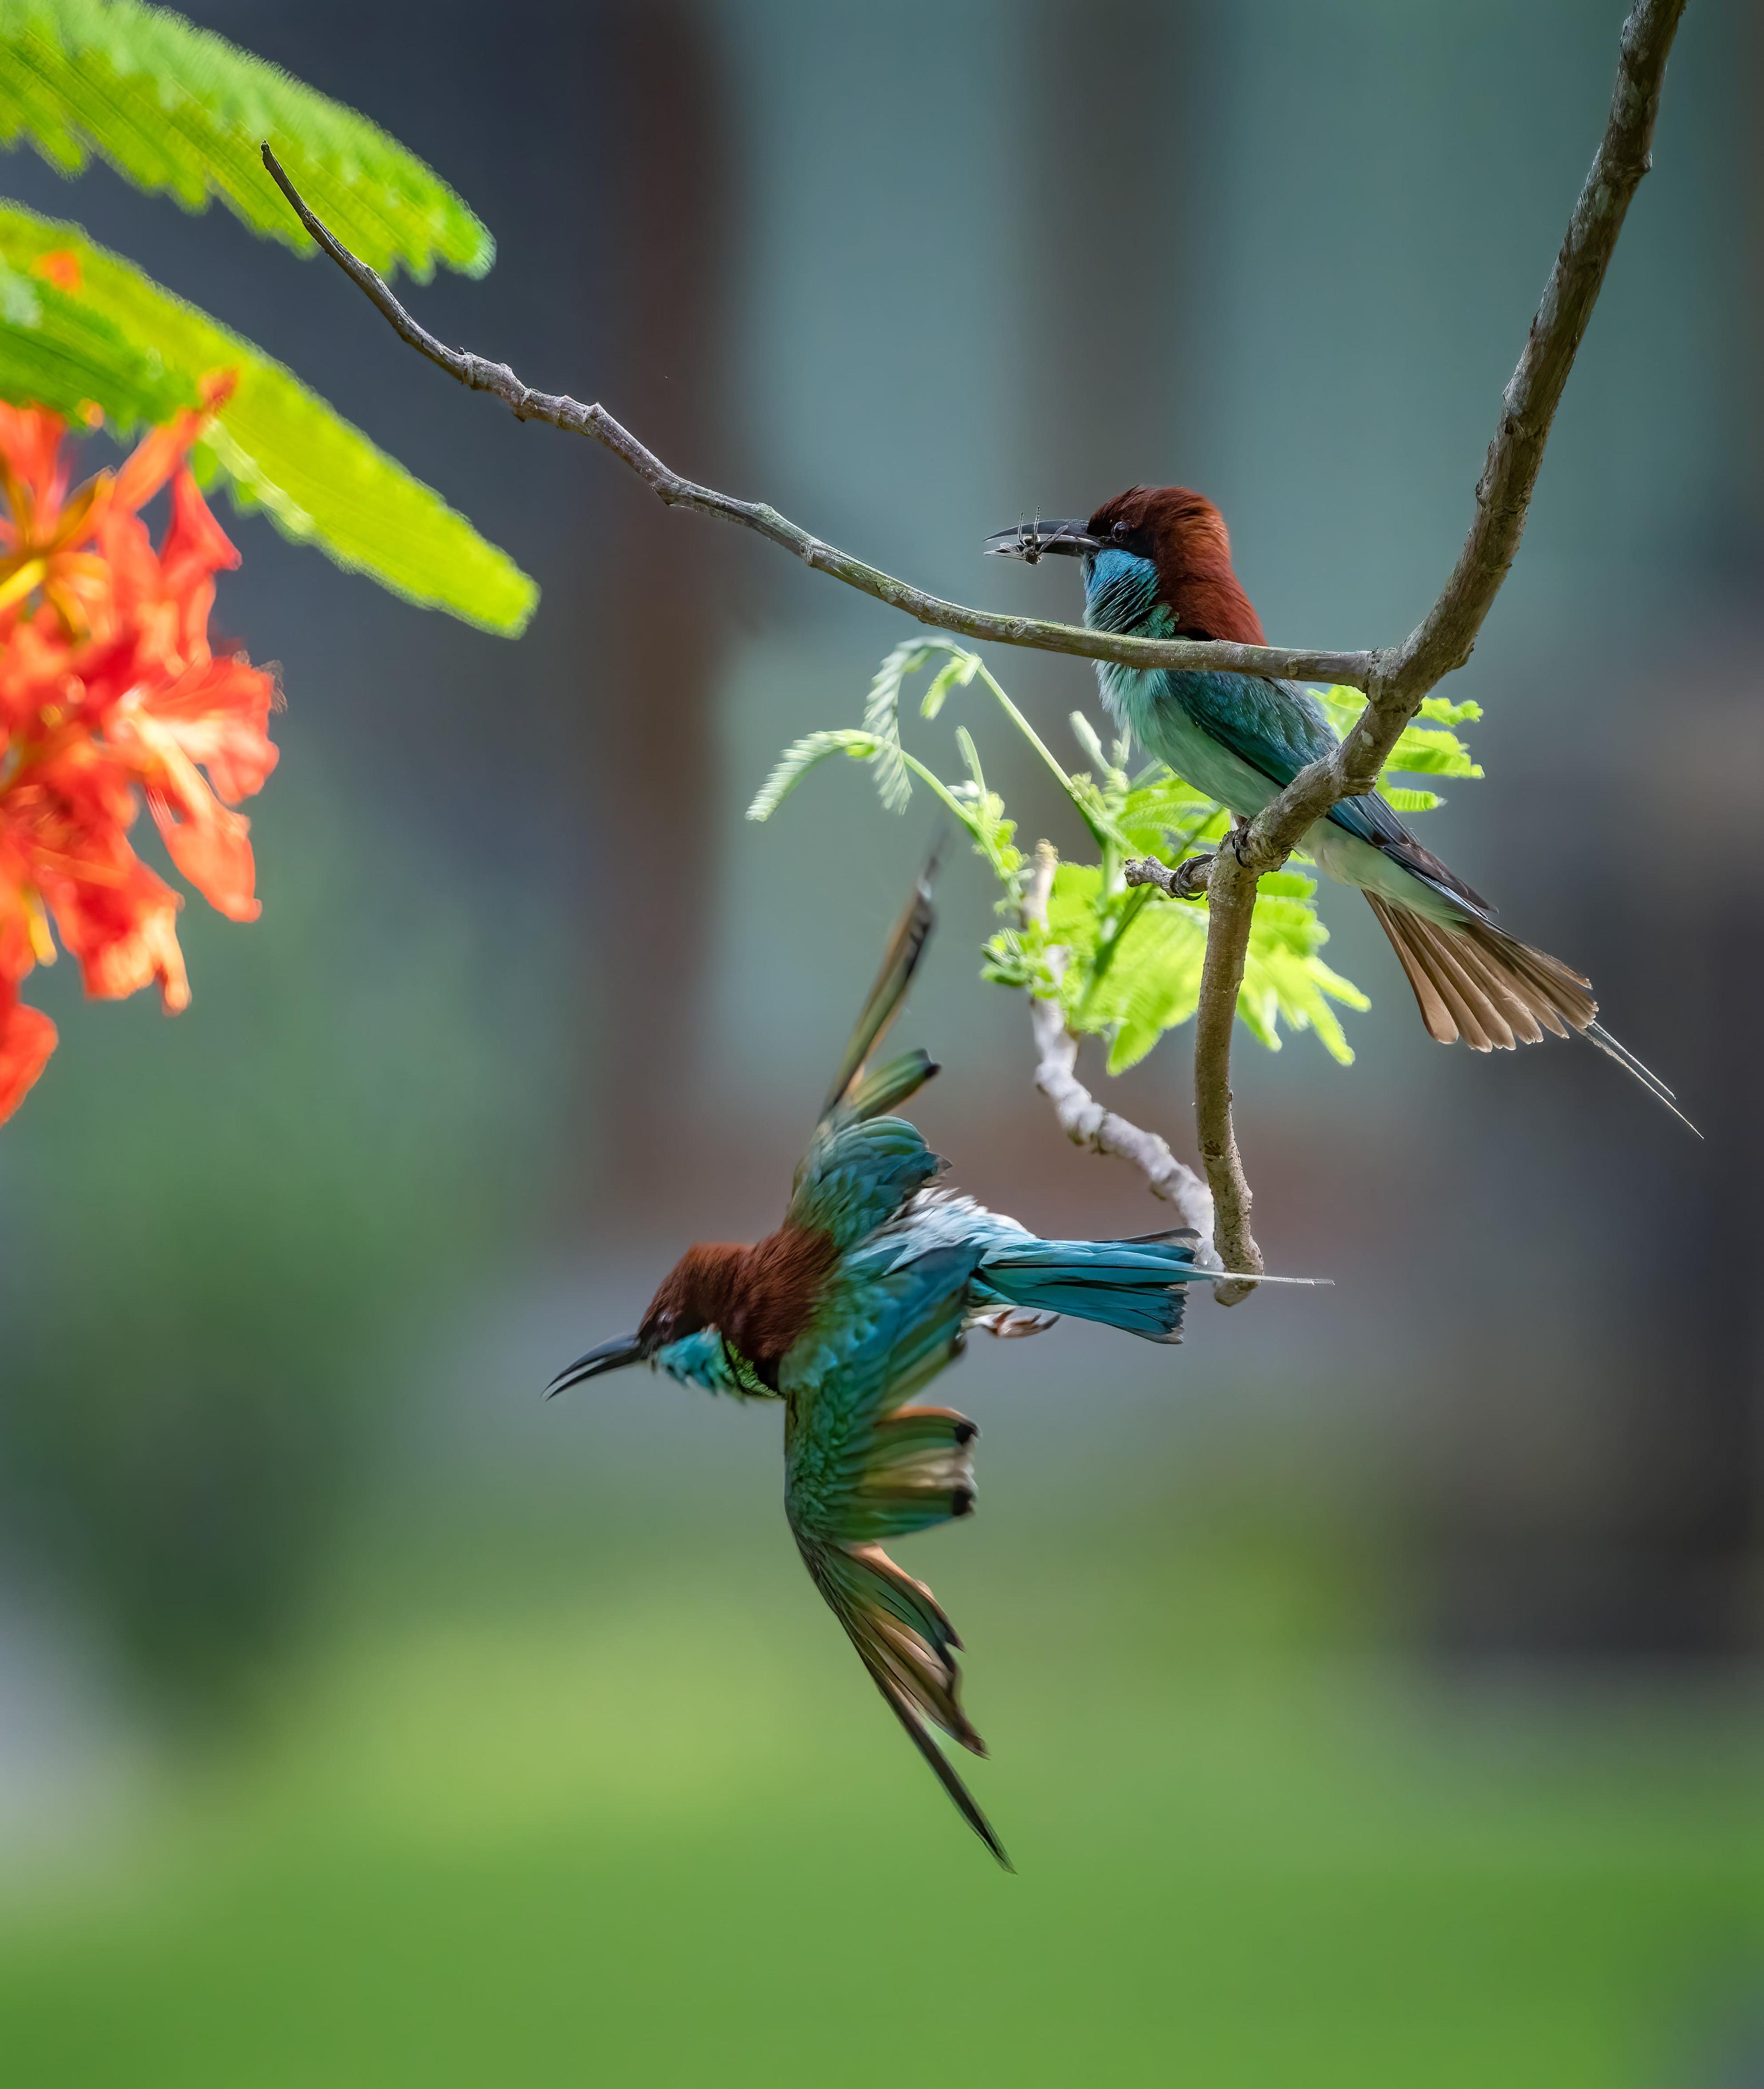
x=1184, y=881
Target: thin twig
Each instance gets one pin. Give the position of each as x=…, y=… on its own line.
x=1443, y=639
x=1358, y=670
x=1084, y=1121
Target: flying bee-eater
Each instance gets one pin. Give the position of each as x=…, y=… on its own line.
x=847, y=1312
x=1157, y=564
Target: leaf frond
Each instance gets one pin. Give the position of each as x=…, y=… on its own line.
x=179, y=111
x=1428, y=748
x=1131, y=960
x=278, y=446
x=799, y=758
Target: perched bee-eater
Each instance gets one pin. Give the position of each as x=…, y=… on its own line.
x=1157, y=564
x=860, y=1297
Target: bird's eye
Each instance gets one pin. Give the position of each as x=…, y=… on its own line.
x=1121, y=532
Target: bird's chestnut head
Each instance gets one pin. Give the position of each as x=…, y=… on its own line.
x=697, y=1293
x=1175, y=531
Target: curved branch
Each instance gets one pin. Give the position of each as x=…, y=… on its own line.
x=1443, y=640
x=560, y=411
x=1084, y=1121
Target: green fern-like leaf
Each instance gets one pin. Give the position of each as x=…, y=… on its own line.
x=1429, y=746
x=1131, y=962
x=179, y=111
x=881, y=708
x=1284, y=979
x=278, y=446
x=1152, y=980
x=799, y=758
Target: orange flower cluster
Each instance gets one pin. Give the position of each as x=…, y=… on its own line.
x=109, y=693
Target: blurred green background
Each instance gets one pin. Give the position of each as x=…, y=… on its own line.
x=1373, y=1684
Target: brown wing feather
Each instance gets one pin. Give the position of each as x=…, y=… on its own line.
x=908, y=1646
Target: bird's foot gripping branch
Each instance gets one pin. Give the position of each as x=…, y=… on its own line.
x=1187, y=880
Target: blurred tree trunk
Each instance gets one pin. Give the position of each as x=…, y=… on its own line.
x=1110, y=159
x=645, y=747
x=1108, y=162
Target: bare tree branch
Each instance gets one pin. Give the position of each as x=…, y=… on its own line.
x=561, y=411
x=1400, y=677
x=1082, y=1119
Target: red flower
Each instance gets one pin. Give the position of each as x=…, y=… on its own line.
x=110, y=692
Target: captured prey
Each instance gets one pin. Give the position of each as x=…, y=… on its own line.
x=1157, y=564
x=848, y=1312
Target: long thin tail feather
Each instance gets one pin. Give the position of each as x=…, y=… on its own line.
x=1595, y=1033
x=1474, y=981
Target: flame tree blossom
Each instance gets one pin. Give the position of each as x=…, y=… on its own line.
x=111, y=697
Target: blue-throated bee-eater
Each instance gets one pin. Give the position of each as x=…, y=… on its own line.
x=1157, y=564
x=856, y=1302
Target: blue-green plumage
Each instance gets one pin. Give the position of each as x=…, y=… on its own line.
x=1242, y=739
x=1157, y=564
x=864, y=1293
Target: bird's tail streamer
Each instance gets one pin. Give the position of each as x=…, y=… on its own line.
x=1473, y=981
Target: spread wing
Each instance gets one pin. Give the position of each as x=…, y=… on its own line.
x=862, y=1165
x=862, y=1465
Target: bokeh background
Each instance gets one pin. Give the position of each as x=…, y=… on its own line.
x=1373, y=1683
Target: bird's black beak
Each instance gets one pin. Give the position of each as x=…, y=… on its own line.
x=610, y=1356
x=1030, y=541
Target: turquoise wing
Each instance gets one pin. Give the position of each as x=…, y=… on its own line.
x=1277, y=727
x=855, y=1176
x=1280, y=727
x=862, y=1465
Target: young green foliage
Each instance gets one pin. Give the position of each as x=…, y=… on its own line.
x=1133, y=957
x=177, y=108
x=139, y=353
x=1428, y=746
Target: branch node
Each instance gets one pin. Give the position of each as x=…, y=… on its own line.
x=1185, y=881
